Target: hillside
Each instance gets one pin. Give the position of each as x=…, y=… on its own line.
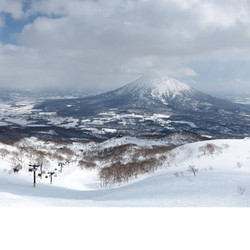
x=207, y=173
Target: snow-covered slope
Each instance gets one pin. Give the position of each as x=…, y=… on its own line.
x=208, y=173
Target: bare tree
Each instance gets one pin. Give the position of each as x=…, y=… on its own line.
x=210, y=148
x=17, y=168
x=16, y=162
x=119, y=172
x=3, y=152
x=40, y=157
x=241, y=190
x=239, y=165
x=192, y=169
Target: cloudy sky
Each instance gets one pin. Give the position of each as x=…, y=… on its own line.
x=104, y=44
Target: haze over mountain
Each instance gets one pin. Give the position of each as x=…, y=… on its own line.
x=152, y=93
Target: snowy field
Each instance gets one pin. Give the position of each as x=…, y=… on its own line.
x=208, y=173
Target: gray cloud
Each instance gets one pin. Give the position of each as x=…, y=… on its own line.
x=104, y=44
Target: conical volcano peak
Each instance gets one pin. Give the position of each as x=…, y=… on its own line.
x=160, y=85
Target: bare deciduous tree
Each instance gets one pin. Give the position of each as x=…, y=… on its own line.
x=86, y=163
x=16, y=162
x=119, y=172
x=3, y=152
x=239, y=165
x=241, y=189
x=17, y=168
x=210, y=148
x=192, y=169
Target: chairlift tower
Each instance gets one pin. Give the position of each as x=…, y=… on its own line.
x=33, y=168
x=61, y=165
x=41, y=170
x=51, y=176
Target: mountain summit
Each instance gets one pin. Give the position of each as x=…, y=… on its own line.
x=155, y=87
x=159, y=86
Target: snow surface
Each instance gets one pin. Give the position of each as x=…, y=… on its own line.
x=222, y=179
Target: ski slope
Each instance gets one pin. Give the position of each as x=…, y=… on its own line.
x=221, y=179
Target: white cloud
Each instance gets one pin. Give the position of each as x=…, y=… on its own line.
x=107, y=42
x=13, y=7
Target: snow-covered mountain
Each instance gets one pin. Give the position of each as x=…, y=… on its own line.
x=187, y=108
x=147, y=94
